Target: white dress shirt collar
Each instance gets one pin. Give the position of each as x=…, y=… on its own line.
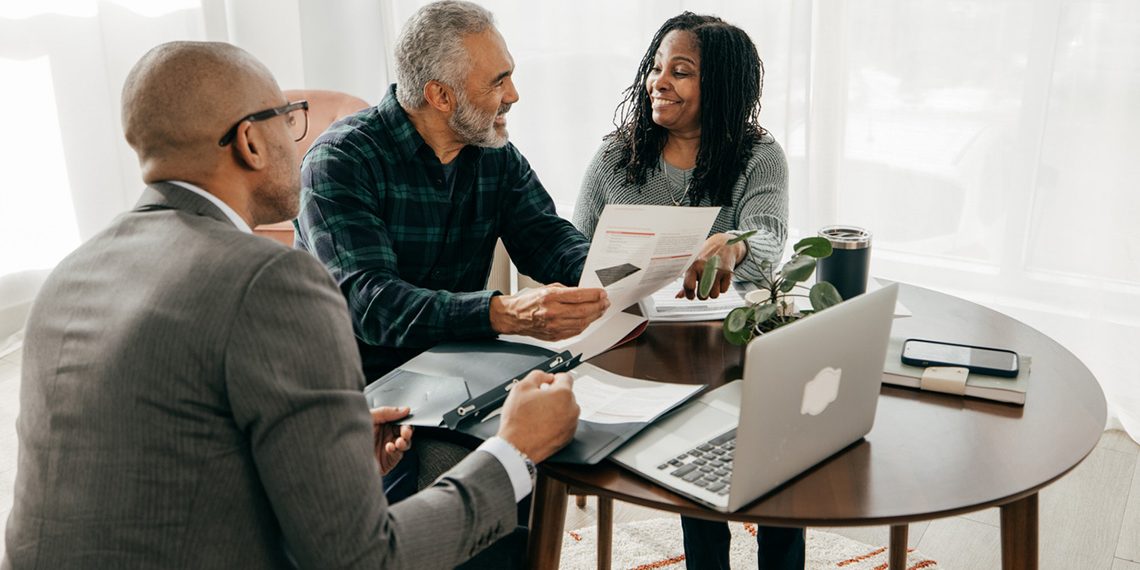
x=224, y=207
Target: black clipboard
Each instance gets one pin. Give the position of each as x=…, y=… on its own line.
x=484, y=365
x=479, y=407
x=481, y=366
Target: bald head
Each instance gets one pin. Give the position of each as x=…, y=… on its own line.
x=180, y=98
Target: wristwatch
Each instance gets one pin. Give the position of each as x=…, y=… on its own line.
x=530, y=468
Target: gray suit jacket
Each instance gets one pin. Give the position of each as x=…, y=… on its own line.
x=191, y=397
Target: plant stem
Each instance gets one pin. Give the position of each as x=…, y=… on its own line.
x=767, y=280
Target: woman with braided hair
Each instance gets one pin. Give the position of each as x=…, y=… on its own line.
x=688, y=134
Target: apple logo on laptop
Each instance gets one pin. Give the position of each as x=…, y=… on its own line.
x=821, y=391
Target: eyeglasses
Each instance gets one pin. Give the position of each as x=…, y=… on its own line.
x=296, y=114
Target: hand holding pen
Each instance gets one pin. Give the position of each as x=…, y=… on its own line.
x=483, y=406
x=540, y=414
x=560, y=367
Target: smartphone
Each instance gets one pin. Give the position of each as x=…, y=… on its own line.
x=979, y=359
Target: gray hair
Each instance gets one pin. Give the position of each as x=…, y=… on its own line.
x=430, y=47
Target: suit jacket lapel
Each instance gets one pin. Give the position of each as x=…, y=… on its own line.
x=166, y=196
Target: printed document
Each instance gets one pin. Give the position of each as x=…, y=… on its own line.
x=640, y=249
x=636, y=251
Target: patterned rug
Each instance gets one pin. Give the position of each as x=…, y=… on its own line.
x=655, y=544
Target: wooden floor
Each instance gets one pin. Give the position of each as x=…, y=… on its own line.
x=1090, y=519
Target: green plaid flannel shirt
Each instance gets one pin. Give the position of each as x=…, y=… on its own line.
x=411, y=260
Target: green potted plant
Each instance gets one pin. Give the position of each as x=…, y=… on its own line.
x=771, y=305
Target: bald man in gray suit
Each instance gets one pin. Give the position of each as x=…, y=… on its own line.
x=191, y=394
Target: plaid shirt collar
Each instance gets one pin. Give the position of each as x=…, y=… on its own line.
x=408, y=141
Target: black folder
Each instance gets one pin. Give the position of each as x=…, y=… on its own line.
x=484, y=366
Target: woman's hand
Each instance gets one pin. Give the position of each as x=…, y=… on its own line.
x=729, y=257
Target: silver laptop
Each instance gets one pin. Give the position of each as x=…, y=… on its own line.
x=809, y=390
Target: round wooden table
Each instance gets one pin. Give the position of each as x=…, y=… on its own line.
x=928, y=456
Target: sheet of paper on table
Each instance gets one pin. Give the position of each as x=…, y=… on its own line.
x=608, y=398
x=636, y=251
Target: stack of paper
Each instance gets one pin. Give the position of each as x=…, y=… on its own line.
x=664, y=306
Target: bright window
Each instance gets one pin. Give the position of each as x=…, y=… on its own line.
x=34, y=172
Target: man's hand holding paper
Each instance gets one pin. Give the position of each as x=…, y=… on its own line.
x=636, y=250
x=553, y=312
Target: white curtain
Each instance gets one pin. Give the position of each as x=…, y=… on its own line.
x=65, y=170
x=988, y=144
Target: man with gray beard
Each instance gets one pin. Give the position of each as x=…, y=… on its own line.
x=403, y=203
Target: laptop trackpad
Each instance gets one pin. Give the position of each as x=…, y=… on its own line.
x=702, y=421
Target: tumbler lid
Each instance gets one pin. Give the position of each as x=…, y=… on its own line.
x=846, y=237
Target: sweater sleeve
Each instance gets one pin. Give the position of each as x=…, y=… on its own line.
x=763, y=206
x=592, y=196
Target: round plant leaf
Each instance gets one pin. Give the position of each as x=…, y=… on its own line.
x=814, y=246
x=824, y=295
x=738, y=319
x=798, y=268
x=708, y=277
x=739, y=338
x=764, y=312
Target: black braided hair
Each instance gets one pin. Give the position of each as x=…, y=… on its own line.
x=732, y=80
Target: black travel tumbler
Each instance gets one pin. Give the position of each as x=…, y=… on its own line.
x=850, y=260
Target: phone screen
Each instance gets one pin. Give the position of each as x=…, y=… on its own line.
x=960, y=355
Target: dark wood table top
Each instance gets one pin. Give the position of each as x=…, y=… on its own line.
x=929, y=455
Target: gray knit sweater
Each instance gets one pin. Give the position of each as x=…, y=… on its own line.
x=759, y=199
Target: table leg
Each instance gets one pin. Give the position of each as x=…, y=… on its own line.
x=1019, y=534
x=547, y=522
x=605, y=532
x=897, y=551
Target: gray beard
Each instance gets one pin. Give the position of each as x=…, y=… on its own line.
x=468, y=124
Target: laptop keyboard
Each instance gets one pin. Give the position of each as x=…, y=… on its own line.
x=707, y=465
